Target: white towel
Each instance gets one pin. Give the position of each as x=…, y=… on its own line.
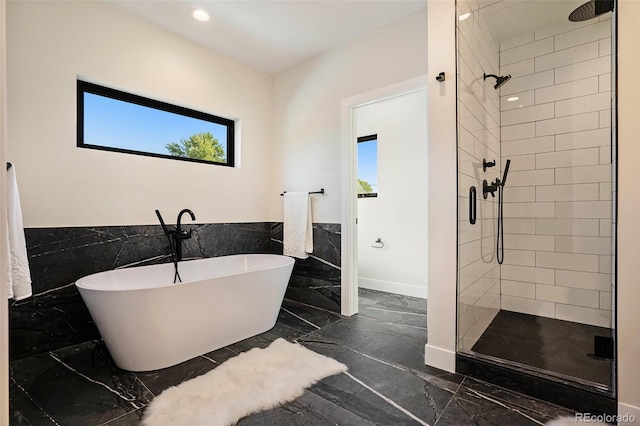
x=19, y=275
x=298, y=225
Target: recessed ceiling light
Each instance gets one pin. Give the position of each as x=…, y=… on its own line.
x=464, y=16
x=512, y=99
x=200, y=15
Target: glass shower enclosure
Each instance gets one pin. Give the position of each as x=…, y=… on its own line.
x=535, y=91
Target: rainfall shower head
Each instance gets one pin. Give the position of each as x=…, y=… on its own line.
x=590, y=10
x=500, y=80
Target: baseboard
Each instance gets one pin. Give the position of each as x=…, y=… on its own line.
x=393, y=287
x=440, y=358
x=627, y=414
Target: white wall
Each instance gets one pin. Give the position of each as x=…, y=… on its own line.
x=4, y=267
x=628, y=247
x=441, y=108
x=558, y=206
x=397, y=215
x=307, y=99
x=49, y=44
x=478, y=139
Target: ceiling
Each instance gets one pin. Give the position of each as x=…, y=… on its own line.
x=271, y=35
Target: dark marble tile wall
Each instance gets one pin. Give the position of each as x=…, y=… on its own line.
x=56, y=317
x=315, y=280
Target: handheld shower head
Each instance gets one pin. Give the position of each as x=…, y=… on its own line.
x=164, y=227
x=506, y=171
x=500, y=80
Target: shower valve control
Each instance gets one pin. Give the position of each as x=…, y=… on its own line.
x=486, y=164
x=488, y=188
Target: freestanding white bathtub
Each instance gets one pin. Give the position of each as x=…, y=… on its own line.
x=148, y=322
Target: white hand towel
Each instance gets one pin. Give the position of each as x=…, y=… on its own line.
x=19, y=275
x=298, y=225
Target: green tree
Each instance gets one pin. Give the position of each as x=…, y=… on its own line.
x=364, y=187
x=202, y=146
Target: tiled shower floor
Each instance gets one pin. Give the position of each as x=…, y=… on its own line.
x=549, y=344
x=383, y=347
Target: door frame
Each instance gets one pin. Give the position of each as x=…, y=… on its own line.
x=349, y=200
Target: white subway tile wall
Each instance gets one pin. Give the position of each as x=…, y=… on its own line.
x=478, y=139
x=596, y=67
x=517, y=100
x=565, y=57
x=558, y=209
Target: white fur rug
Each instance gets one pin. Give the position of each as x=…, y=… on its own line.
x=256, y=380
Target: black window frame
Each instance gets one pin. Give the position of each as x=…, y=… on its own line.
x=361, y=139
x=108, y=92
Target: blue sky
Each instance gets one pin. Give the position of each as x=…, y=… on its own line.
x=119, y=124
x=368, y=163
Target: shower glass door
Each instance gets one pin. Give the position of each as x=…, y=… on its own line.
x=535, y=90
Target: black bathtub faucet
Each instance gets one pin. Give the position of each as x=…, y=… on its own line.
x=175, y=237
x=181, y=234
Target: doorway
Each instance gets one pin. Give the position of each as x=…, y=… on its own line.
x=384, y=236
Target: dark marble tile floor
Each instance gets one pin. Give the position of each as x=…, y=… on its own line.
x=387, y=382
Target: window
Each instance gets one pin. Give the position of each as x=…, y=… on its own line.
x=368, y=166
x=113, y=120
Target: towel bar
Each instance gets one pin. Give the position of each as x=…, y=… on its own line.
x=310, y=192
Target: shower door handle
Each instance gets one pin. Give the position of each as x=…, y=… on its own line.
x=472, y=205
